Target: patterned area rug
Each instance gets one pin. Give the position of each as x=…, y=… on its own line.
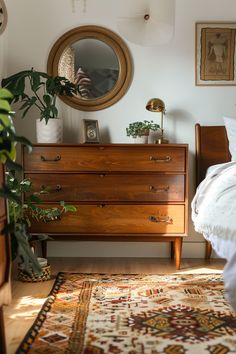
x=134, y=314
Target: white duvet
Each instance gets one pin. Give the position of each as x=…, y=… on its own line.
x=214, y=215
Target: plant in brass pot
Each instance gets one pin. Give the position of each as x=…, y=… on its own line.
x=40, y=90
x=140, y=129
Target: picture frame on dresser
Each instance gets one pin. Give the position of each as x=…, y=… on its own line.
x=90, y=131
x=215, y=54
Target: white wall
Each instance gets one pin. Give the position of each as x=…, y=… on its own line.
x=165, y=71
x=3, y=54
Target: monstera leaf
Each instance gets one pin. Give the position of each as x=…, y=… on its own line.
x=8, y=138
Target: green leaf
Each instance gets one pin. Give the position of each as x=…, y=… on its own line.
x=70, y=208
x=4, y=105
x=35, y=81
x=5, y=94
x=7, y=193
x=34, y=199
x=4, y=121
x=47, y=99
x=11, y=165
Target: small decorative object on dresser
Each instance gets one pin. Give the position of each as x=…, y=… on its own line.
x=42, y=94
x=123, y=192
x=140, y=130
x=91, y=131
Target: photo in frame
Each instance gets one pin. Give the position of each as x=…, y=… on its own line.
x=215, y=54
x=91, y=131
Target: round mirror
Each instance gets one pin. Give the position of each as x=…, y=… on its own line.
x=97, y=60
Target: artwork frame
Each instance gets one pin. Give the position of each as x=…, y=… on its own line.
x=91, y=131
x=215, y=54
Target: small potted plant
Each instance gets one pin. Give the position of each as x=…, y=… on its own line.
x=40, y=90
x=140, y=130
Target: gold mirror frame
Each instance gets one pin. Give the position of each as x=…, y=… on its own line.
x=4, y=16
x=123, y=56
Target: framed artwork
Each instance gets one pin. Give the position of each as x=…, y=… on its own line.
x=91, y=131
x=3, y=16
x=215, y=54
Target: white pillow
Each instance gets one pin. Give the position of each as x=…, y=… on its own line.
x=230, y=125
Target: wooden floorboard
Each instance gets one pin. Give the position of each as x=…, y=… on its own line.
x=28, y=298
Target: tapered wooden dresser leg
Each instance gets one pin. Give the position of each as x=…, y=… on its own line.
x=172, y=250
x=208, y=250
x=178, y=250
x=44, y=249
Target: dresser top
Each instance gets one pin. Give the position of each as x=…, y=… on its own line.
x=115, y=144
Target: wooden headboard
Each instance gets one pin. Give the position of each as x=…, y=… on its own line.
x=212, y=147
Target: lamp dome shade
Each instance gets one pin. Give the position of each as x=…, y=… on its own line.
x=155, y=105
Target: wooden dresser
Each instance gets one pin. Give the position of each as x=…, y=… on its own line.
x=123, y=192
x=5, y=263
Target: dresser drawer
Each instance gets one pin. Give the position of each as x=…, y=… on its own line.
x=109, y=187
x=110, y=220
x=110, y=158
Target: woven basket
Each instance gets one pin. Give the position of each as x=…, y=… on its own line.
x=32, y=278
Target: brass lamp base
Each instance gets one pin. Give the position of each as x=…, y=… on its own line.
x=161, y=141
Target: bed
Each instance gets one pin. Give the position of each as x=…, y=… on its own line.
x=212, y=147
x=213, y=206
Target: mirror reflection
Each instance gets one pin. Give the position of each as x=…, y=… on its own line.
x=92, y=64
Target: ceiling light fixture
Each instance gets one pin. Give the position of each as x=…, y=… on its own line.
x=153, y=25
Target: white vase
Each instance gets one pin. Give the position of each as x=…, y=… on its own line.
x=141, y=139
x=52, y=132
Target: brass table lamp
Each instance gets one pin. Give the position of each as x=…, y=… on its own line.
x=157, y=105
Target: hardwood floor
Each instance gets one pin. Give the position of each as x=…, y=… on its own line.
x=28, y=298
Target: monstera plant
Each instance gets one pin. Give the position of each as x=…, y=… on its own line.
x=21, y=212
x=38, y=89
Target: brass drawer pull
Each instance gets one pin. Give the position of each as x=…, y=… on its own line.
x=158, y=190
x=101, y=205
x=57, y=189
x=165, y=219
x=158, y=159
x=57, y=158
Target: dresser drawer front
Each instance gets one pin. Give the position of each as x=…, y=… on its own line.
x=82, y=158
x=111, y=220
x=108, y=187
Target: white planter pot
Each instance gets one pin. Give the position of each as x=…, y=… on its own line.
x=52, y=132
x=141, y=139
